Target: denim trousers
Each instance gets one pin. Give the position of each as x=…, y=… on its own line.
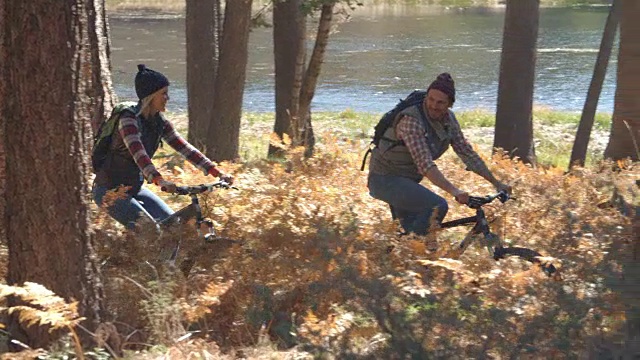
x=130, y=209
x=411, y=203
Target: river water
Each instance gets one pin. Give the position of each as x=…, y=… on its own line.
x=380, y=54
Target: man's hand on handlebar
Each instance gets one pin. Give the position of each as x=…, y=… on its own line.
x=462, y=197
x=504, y=187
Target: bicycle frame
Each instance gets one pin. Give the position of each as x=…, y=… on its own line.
x=192, y=211
x=492, y=241
x=481, y=225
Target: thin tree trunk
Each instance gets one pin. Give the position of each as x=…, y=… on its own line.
x=514, y=123
x=288, y=44
x=46, y=67
x=625, y=126
x=311, y=78
x=224, y=129
x=202, y=34
x=579, y=152
x=103, y=96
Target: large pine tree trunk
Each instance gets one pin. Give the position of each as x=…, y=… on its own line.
x=223, y=135
x=514, y=122
x=579, y=151
x=288, y=43
x=3, y=98
x=203, y=22
x=47, y=71
x=625, y=127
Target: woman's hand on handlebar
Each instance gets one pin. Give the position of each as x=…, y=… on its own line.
x=226, y=178
x=166, y=186
x=223, y=177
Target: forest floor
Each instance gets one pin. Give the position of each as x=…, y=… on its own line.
x=321, y=273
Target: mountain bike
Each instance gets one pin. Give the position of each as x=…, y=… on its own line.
x=206, y=242
x=491, y=241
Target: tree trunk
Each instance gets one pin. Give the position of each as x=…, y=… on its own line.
x=514, y=123
x=311, y=77
x=625, y=126
x=579, y=152
x=202, y=33
x=103, y=96
x=46, y=74
x=4, y=97
x=288, y=43
x=224, y=129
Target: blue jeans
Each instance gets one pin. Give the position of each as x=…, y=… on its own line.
x=130, y=209
x=410, y=202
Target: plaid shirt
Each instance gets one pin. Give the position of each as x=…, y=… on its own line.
x=128, y=129
x=412, y=132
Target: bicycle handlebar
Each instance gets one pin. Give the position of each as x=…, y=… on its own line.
x=199, y=189
x=477, y=202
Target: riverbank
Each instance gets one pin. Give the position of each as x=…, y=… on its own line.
x=177, y=6
x=554, y=132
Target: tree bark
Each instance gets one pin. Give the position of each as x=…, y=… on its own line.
x=579, y=151
x=310, y=80
x=47, y=69
x=223, y=135
x=625, y=126
x=202, y=35
x=103, y=97
x=288, y=44
x=514, y=120
x=4, y=96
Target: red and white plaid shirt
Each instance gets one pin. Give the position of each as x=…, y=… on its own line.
x=128, y=129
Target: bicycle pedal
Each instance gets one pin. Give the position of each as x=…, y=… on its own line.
x=211, y=238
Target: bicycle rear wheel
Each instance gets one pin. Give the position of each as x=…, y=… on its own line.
x=526, y=254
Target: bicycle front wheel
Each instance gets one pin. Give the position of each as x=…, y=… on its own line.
x=525, y=254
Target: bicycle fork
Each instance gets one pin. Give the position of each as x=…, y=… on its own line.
x=192, y=211
x=204, y=229
x=492, y=241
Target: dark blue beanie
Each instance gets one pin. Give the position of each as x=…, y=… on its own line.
x=149, y=81
x=444, y=83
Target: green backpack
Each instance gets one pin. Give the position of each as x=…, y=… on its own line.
x=102, y=137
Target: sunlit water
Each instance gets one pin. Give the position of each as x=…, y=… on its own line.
x=379, y=56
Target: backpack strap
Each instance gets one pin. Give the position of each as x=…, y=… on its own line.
x=364, y=160
x=423, y=116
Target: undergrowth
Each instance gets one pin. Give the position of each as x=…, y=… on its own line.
x=315, y=275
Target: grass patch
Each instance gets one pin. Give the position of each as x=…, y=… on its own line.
x=554, y=131
x=541, y=116
x=179, y=5
x=172, y=6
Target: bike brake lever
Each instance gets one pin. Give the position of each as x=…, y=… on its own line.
x=475, y=202
x=226, y=185
x=503, y=196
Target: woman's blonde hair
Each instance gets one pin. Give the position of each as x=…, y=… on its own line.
x=146, y=103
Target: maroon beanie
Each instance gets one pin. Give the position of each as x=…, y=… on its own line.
x=444, y=83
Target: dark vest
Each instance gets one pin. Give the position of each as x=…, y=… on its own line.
x=390, y=159
x=119, y=168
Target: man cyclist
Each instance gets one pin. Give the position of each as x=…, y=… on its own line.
x=426, y=131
